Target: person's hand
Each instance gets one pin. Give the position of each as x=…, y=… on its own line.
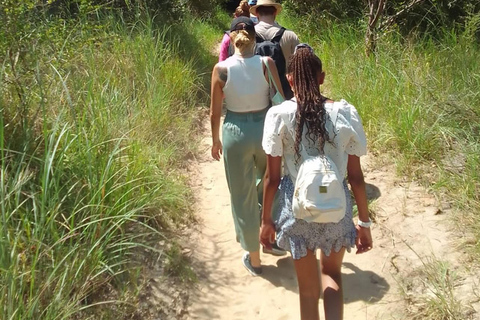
x=267, y=234
x=217, y=150
x=364, y=239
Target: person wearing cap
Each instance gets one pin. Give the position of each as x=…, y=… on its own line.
x=266, y=12
x=242, y=80
x=226, y=49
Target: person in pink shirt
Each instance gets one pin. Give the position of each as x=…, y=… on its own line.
x=243, y=9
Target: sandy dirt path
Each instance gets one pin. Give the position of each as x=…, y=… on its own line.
x=410, y=224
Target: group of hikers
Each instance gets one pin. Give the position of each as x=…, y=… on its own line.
x=288, y=153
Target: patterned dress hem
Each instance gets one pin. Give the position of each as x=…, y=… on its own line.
x=297, y=236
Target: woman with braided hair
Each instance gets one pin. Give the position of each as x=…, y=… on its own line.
x=305, y=122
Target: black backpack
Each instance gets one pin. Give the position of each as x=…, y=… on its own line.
x=271, y=48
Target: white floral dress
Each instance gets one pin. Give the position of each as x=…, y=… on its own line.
x=297, y=235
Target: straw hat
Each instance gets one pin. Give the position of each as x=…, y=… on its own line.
x=265, y=3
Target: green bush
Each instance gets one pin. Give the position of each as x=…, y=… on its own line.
x=97, y=119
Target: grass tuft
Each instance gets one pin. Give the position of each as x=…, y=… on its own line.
x=98, y=118
x=430, y=294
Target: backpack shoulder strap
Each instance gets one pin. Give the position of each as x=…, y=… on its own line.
x=289, y=165
x=334, y=113
x=258, y=38
x=279, y=35
x=270, y=76
x=303, y=151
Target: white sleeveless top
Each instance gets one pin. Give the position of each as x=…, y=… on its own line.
x=246, y=89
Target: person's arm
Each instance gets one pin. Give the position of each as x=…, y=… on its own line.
x=294, y=42
x=270, y=186
x=275, y=76
x=357, y=182
x=219, y=77
x=224, y=48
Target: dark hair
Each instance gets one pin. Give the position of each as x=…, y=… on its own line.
x=266, y=10
x=304, y=67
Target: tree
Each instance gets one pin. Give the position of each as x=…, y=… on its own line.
x=377, y=24
x=376, y=8
x=428, y=16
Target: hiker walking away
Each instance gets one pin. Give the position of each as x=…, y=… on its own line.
x=312, y=129
x=226, y=47
x=269, y=31
x=252, y=3
x=243, y=80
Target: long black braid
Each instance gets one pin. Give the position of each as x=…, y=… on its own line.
x=304, y=67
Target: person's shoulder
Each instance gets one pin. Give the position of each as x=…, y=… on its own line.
x=287, y=31
x=345, y=110
x=345, y=106
x=342, y=104
x=286, y=108
x=225, y=63
x=262, y=26
x=263, y=30
x=290, y=34
x=222, y=64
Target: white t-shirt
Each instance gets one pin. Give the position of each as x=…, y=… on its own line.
x=279, y=140
x=246, y=89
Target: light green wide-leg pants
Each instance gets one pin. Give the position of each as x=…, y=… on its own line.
x=245, y=165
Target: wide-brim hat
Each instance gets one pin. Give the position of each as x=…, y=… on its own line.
x=265, y=3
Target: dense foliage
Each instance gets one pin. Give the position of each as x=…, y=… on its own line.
x=418, y=96
x=98, y=103
x=97, y=115
x=425, y=16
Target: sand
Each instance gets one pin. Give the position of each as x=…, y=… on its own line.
x=411, y=226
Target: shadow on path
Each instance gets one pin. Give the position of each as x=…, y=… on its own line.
x=373, y=192
x=363, y=285
x=281, y=275
x=357, y=286
x=216, y=280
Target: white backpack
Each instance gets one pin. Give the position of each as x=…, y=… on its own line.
x=319, y=195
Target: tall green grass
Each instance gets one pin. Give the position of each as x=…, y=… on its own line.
x=97, y=119
x=419, y=100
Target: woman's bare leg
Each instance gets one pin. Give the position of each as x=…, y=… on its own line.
x=331, y=279
x=255, y=259
x=308, y=286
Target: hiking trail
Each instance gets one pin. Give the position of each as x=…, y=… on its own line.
x=410, y=226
